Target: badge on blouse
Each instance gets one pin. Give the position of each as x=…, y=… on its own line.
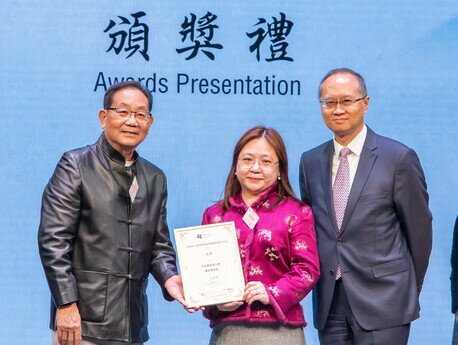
x=133, y=189
x=250, y=218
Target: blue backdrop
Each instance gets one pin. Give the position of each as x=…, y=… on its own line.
x=56, y=58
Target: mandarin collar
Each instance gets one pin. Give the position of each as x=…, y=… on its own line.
x=267, y=198
x=112, y=153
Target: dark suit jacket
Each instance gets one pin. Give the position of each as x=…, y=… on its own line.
x=385, y=240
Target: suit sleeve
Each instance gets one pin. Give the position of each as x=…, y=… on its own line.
x=60, y=215
x=163, y=258
x=411, y=202
x=287, y=292
x=454, y=263
x=305, y=195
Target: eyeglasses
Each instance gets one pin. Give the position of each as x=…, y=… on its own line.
x=125, y=114
x=344, y=103
x=249, y=162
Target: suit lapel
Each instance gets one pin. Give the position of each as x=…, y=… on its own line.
x=366, y=161
x=326, y=166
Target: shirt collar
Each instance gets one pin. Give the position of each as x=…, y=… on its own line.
x=356, y=145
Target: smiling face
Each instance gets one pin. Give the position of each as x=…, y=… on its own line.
x=254, y=180
x=125, y=135
x=345, y=121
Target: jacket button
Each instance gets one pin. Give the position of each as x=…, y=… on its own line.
x=339, y=241
x=331, y=272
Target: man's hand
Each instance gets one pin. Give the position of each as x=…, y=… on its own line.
x=68, y=323
x=174, y=287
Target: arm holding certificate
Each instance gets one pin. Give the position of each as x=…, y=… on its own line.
x=276, y=242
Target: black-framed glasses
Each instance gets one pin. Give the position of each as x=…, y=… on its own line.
x=332, y=103
x=125, y=114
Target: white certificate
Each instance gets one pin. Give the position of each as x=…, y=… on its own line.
x=210, y=264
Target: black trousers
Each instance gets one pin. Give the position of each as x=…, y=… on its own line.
x=342, y=328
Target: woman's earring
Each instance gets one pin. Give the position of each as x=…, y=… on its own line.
x=278, y=178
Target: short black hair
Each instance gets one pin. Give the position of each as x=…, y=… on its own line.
x=361, y=82
x=109, y=94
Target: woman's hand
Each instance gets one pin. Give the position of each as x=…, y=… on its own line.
x=229, y=306
x=255, y=291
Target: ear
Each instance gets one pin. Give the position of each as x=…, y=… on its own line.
x=103, y=117
x=151, y=121
x=366, y=104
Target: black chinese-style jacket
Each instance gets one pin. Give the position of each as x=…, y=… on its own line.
x=97, y=246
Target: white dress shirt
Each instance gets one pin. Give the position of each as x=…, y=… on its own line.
x=355, y=146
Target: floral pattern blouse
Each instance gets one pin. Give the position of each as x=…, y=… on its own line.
x=280, y=251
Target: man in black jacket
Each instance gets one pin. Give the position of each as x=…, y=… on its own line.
x=103, y=229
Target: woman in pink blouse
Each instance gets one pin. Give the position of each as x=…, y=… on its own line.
x=277, y=246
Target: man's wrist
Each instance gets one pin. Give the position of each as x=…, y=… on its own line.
x=63, y=306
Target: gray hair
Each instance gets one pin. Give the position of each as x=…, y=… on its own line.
x=361, y=82
x=109, y=94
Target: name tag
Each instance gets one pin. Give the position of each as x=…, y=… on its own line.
x=250, y=218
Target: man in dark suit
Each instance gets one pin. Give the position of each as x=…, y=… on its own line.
x=368, y=195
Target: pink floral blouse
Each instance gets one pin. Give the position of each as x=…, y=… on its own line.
x=281, y=252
